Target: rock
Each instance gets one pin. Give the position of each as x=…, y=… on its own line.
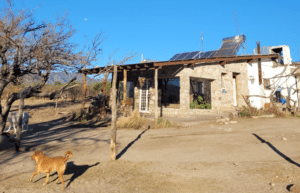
x=220, y=120
x=284, y=139
x=263, y=116
x=228, y=115
x=272, y=184
x=233, y=121
x=226, y=123
x=228, y=130
x=236, y=164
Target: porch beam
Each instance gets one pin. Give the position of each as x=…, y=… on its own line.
x=214, y=60
x=250, y=61
x=222, y=63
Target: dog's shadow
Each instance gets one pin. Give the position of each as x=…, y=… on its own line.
x=76, y=170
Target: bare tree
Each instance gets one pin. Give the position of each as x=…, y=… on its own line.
x=31, y=48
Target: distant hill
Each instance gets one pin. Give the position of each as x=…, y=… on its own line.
x=62, y=77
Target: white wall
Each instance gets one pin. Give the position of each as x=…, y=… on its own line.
x=267, y=72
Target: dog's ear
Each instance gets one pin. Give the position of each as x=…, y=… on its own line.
x=38, y=152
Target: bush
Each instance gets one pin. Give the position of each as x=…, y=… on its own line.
x=248, y=112
x=134, y=121
x=200, y=104
x=57, y=83
x=273, y=110
x=245, y=112
x=162, y=123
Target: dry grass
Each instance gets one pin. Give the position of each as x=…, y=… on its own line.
x=134, y=121
x=162, y=123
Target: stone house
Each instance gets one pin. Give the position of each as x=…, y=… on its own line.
x=220, y=77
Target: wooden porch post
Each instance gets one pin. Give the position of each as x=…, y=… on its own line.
x=156, y=95
x=259, y=64
x=113, y=152
x=124, y=90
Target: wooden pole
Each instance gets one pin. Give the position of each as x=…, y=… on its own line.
x=84, y=90
x=156, y=95
x=259, y=64
x=124, y=90
x=113, y=152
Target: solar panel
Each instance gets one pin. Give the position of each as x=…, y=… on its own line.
x=174, y=57
x=182, y=56
x=191, y=55
x=207, y=54
x=230, y=46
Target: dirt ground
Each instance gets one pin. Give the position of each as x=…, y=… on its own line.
x=252, y=155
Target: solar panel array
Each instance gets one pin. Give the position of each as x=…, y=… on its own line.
x=193, y=55
x=230, y=47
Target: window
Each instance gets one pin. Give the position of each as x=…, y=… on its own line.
x=267, y=84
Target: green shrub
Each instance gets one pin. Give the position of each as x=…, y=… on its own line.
x=161, y=123
x=200, y=104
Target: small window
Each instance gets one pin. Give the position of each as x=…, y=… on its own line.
x=267, y=84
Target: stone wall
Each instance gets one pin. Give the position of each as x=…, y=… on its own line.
x=212, y=74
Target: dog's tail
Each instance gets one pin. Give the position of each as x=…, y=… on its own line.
x=68, y=155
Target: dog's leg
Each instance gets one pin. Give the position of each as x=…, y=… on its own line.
x=62, y=180
x=47, y=179
x=57, y=180
x=35, y=173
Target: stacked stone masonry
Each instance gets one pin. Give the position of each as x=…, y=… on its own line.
x=216, y=77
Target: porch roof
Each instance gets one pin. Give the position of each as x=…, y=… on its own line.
x=188, y=63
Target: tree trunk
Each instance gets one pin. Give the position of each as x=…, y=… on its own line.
x=19, y=126
x=102, y=110
x=84, y=90
x=113, y=152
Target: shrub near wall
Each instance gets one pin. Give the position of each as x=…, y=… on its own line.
x=134, y=121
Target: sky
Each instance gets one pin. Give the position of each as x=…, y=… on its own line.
x=160, y=29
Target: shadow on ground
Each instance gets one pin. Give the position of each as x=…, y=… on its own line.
x=276, y=150
x=76, y=170
x=58, y=130
x=131, y=143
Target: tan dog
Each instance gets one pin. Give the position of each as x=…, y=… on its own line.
x=47, y=164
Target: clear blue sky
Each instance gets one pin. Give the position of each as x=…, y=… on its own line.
x=160, y=29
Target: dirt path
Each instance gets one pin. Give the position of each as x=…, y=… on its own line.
x=256, y=155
